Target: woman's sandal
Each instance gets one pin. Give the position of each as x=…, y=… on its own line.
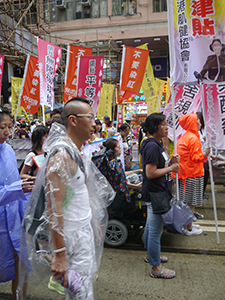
x=162, y=274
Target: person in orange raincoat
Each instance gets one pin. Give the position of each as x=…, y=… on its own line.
x=191, y=173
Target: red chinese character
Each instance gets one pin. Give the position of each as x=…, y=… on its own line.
x=202, y=8
x=196, y=27
x=209, y=27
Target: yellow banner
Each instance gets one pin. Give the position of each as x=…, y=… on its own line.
x=168, y=92
x=159, y=87
x=25, y=115
x=16, y=84
x=105, y=102
x=148, y=86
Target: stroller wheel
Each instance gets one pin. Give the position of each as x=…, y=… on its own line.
x=116, y=233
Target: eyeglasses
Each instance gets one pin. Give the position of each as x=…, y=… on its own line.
x=91, y=118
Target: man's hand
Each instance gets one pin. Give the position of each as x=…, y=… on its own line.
x=27, y=186
x=59, y=267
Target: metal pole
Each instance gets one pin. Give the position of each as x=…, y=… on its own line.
x=174, y=138
x=210, y=167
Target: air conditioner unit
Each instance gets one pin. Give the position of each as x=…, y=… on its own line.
x=86, y=2
x=60, y=4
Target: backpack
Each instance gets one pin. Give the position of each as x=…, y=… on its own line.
x=33, y=168
x=31, y=224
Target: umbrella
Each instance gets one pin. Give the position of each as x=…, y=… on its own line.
x=58, y=106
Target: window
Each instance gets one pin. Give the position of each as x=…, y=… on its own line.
x=159, y=5
x=123, y=7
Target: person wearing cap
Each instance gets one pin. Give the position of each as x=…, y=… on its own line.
x=106, y=121
x=215, y=64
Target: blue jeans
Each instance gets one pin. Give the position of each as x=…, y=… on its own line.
x=153, y=232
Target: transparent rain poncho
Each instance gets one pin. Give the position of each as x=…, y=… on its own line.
x=81, y=219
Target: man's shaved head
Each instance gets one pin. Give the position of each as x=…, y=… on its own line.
x=73, y=106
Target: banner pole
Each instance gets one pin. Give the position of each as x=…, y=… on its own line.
x=210, y=167
x=174, y=138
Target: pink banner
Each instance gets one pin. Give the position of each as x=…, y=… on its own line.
x=187, y=100
x=89, y=79
x=214, y=99
x=48, y=57
x=1, y=71
x=119, y=115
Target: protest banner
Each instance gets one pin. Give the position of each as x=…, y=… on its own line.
x=196, y=39
x=73, y=53
x=49, y=58
x=187, y=100
x=214, y=98
x=89, y=79
x=16, y=84
x=105, y=102
x=30, y=91
x=1, y=71
x=133, y=68
x=148, y=86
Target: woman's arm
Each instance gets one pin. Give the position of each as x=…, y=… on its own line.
x=24, y=173
x=152, y=171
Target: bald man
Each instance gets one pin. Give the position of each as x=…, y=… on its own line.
x=69, y=209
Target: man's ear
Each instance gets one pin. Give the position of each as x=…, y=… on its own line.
x=72, y=120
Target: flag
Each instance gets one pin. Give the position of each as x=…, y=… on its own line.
x=196, y=40
x=30, y=91
x=187, y=100
x=105, y=103
x=1, y=71
x=214, y=98
x=16, y=84
x=89, y=83
x=132, y=72
x=168, y=91
x=119, y=115
x=148, y=85
x=73, y=53
x=48, y=57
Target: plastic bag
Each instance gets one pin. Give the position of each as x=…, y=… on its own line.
x=179, y=214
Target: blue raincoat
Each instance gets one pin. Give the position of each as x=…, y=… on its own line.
x=12, y=206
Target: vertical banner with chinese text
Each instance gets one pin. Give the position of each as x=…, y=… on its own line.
x=187, y=100
x=89, y=79
x=1, y=71
x=16, y=84
x=133, y=68
x=73, y=53
x=214, y=97
x=30, y=91
x=48, y=57
x=119, y=115
x=197, y=40
x=148, y=85
x=105, y=102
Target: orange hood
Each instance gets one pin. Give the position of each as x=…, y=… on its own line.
x=189, y=123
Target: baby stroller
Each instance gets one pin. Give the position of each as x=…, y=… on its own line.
x=129, y=221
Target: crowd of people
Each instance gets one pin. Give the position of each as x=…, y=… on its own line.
x=76, y=198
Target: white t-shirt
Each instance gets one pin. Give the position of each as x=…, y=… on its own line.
x=29, y=162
